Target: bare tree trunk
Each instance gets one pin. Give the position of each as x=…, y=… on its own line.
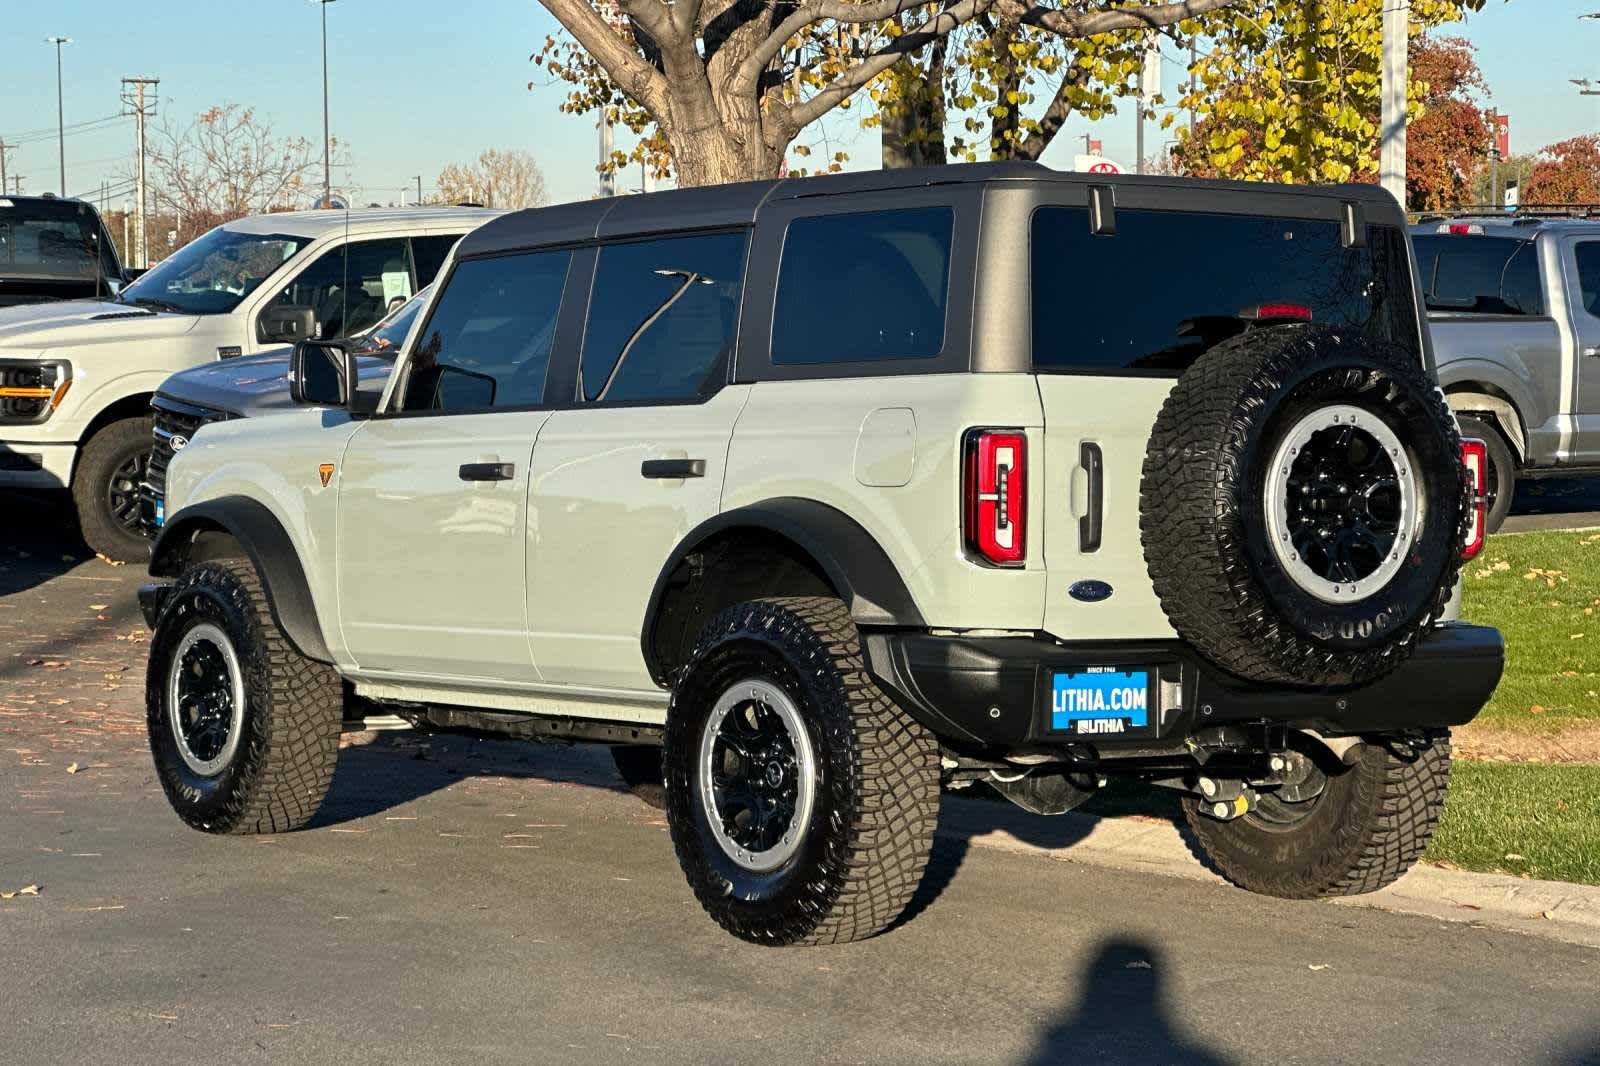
x=913, y=132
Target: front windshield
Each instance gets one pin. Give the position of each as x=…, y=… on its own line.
x=386, y=337
x=213, y=274
x=49, y=239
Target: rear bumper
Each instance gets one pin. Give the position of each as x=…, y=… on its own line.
x=995, y=692
x=30, y=465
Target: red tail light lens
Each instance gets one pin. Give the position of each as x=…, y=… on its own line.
x=995, y=496
x=1475, y=457
x=1276, y=312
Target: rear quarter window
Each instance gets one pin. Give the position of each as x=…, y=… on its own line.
x=1169, y=285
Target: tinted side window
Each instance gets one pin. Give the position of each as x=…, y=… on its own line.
x=429, y=254
x=662, y=318
x=1588, y=254
x=1479, y=275
x=1167, y=285
x=351, y=288
x=863, y=287
x=487, y=343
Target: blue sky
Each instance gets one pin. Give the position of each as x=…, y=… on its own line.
x=417, y=85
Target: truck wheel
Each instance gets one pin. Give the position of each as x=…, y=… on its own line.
x=800, y=798
x=244, y=729
x=105, y=490
x=1502, y=472
x=1370, y=823
x=639, y=766
x=1303, y=505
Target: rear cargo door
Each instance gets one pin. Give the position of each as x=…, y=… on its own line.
x=1122, y=307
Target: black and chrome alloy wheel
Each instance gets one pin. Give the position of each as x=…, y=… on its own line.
x=122, y=492
x=205, y=700
x=757, y=775
x=1342, y=504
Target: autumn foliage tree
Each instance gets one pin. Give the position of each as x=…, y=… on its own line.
x=225, y=164
x=509, y=180
x=719, y=89
x=1566, y=173
x=1449, y=141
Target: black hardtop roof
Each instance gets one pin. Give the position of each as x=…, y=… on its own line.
x=736, y=205
x=47, y=198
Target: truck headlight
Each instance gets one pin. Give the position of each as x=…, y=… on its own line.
x=31, y=390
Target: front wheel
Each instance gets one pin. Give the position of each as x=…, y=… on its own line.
x=105, y=490
x=800, y=797
x=1368, y=824
x=244, y=729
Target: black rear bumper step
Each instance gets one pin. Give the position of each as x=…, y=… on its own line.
x=994, y=691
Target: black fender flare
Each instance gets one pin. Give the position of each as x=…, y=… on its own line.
x=851, y=559
x=270, y=550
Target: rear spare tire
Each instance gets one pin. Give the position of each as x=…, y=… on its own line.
x=1303, y=504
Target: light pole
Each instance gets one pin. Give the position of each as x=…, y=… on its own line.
x=327, y=142
x=61, y=128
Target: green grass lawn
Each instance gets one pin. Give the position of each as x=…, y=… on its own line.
x=1521, y=818
x=1542, y=591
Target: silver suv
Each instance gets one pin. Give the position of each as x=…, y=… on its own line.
x=814, y=497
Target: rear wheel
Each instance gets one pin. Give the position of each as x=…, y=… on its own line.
x=105, y=490
x=243, y=728
x=1502, y=473
x=801, y=798
x=1365, y=825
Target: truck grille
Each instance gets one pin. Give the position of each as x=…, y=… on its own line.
x=174, y=419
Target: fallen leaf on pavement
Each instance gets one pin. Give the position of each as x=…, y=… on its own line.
x=26, y=890
x=72, y=768
x=1317, y=966
x=98, y=606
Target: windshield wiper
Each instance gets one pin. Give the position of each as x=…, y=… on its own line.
x=158, y=304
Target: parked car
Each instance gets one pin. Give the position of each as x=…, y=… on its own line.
x=1514, y=309
x=54, y=249
x=842, y=490
x=79, y=375
x=253, y=385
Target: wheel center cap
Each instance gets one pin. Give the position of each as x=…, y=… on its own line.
x=773, y=774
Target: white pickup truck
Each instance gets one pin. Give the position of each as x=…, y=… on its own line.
x=76, y=377
x=1514, y=313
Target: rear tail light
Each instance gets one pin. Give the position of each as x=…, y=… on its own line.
x=1475, y=457
x=1279, y=312
x=994, y=494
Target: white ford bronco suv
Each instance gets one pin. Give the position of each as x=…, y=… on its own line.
x=816, y=496
x=76, y=377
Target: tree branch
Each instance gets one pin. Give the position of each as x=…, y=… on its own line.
x=935, y=27
x=1054, y=117
x=630, y=73
x=1087, y=24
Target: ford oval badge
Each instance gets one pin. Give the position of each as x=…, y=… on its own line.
x=178, y=442
x=1090, y=591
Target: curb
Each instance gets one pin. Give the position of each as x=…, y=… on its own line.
x=1552, y=909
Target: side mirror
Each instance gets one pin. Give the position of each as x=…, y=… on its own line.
x=322, y=374
x=287, y=325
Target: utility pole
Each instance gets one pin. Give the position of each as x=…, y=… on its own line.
x=327, y=141
x=61, y=126
x=138, y=97
x=16, y=180
x=4, y=148
x=608, y=177
x=1392, y=151
x=419, y=190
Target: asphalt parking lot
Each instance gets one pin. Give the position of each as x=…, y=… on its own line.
x=459, y=900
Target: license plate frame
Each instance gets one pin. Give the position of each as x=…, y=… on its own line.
x=1101, y=702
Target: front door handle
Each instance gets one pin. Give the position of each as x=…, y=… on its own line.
x=673, y=468
x=487, y=471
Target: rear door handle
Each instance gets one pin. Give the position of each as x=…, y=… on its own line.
x=673, y=468
x=487, y=471
x=1090, y=524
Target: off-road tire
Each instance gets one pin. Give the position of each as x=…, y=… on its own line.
x=639, y=766
x=877, y=787
x=1202, y=509
x=293, y=710
x=1371, y=823
x=1502, y=473
x=105, y=453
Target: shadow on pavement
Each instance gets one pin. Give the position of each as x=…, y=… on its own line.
x=39, y=539
x=1123, y=1017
